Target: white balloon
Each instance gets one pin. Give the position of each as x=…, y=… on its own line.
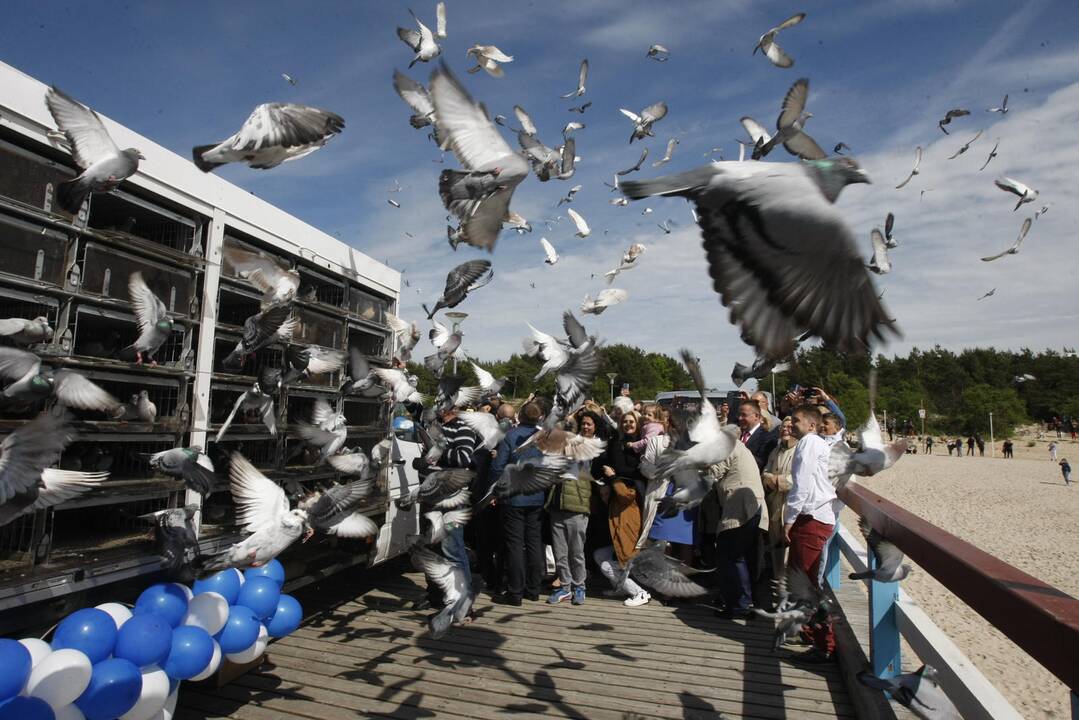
x=69, y=712
x=60, y=678
x=170, y=706
x=120, y=613
x=155, y=692
x=254, y=651
x=242, y=577
x=212, y=666
x=209, y=611
x=39, y=649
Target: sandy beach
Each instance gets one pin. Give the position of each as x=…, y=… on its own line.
x=1018, y=510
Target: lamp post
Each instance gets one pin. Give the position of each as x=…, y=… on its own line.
x=458, y=318
x=611, y=377
x=992, y=442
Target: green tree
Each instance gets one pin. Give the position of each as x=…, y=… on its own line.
x=980, y=400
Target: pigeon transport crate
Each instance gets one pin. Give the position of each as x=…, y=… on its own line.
x=363, y=415
x=170, y=222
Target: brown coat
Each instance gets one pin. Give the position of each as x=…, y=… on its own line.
x=737, y=495
x=624, y=519
x=777, y=483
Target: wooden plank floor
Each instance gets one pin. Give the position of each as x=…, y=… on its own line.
x=362, y=652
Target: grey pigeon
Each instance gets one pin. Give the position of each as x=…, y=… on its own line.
x=1023, y=192
x=480, y=195
x=190, y=464
x=581, y=108
x=642, y=124
x=531, y=474
x=416, y=97
x=274, y=133
x=104, y=166
x=654, y=569
x=145, y=408
x=422, y=40
x=949, y=116
x=278, y=284
x=1003, y=109
x=29, y=381
x=333, y=512
x=155, y=325
x=888, y=559
x=310, y=361
x=361, y=381
x=879, y=263
x=992, y=154
x=26, y=332
x=489, y=384
x=671, y=145
x=800, y=604
x=28, y=483
x=175, y=541
x=327, y=430
x=770, y=48
x=1014, y=249
x=658, y=53
x=889, y=237
x=920, y=691
x=252, y=400
x=272, y=324
x=790, y=127
x=966, y=146
x=451, y=579
x=582, y=80
x=441, y=489
x=914, y=171
x=406, y=335
x=460, y=281
x=760, y=368
x=627, y=171
x=840, y=147
x=445, y=347
x=779, y=253
x=991, y=293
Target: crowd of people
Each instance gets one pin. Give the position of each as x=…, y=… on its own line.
x=772, y=504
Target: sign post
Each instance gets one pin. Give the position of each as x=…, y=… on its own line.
x=921, y=415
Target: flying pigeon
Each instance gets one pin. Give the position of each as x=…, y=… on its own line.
x=104, y=166
x=1003, y=109
x=879, y=263
x=478, y=196
x=653, y=568
x=620, y=173
x=288, y=78
x=490, y=429
x=29, y=381
x=991, y=293
x=569, y=195
x=629, y=258
x=800, y=604
x=581, y=108
x=840, y=147
x=311, y=360
x=583, y=230
x=416, y=97
x=966, y=146
x=488, y=58
x=261, y=329
x=603, y=300
x=790, y=127
x=549, y=251
x=255, y=399
x=889, y=238
x=262, y=509
x=888, y=565
x=642, y=124
x=26, y=332
x=155, y=325
x=760, y=368
x=671, y=144
x=489, y=385
x=992, y=154
x=333, y=512
x=274, y=133
x=1014, y=249
x=460, y=281
x=399, y=386
x=575, y=373
x=406, y=335
x=949, y=116
x=874, y=454
x=757, y=134
x=920, y=691
x=572, y=127
x=1024, y=193
x=451, y=579
x=277, y=284
x=422, y=41
x=190, y=464
x=665, y=226
x=28, y=483
x=175, y=540
x=778, y=284
x=770, y=48
x=582, y=78
x=658, y=53
x=914, y=171
x=326, y=431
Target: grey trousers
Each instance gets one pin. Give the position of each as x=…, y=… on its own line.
x=567, y=538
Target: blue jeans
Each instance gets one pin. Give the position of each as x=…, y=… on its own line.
x=453, y=549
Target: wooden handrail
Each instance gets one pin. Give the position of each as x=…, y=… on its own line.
x=1037, y=617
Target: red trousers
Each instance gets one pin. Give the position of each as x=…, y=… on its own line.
x=808, y=538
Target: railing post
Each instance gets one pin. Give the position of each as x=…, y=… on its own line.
x=832, y=566
x=1075, y=705
x=884, y=643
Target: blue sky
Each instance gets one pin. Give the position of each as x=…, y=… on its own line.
x=882, y=74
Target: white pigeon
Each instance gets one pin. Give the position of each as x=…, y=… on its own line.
x=1023, y=192
x=488, y=383
x=278, y=284
x=582, y=79
x=671, y=144
x=549, y=349
x=1014, y=249
x=914, y=171
x=26, y=332
x=889, y=565
x=548, y=249
x=874, y=456
x=104, y=165
x=756, y=133
x=422, y=41
x=658, y=53
x=400, y=386
x=642, y=124
x=262, y=509
x=879, y=263
x=603, y=300
x=1003, y=109
x=768, y=45
x=572, y=127
x=583, y=230
x=490, y=429
x=326, y=430
x=629, y=260
x=274, y=133
x=406, y=335
x=488, y=58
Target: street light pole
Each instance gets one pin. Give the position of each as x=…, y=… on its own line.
x=458, y=318
x=992, y=442
x=611, y=377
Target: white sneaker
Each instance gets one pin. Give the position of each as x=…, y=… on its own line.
x=637, y=600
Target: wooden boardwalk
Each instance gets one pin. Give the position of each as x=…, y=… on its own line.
x=364, y=653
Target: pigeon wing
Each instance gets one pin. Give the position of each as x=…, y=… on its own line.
x=337, y=501
x=413, y=93
x=149, y=310
x=755, y=130
x=75, y=390
x=574, y=330
x=354, y=463
x=804, y=146
x=82, y=127
x=460, y=279
x=582, y=227
x=286, y=125
x=26, y=452
x=440, y=20
x=527, y=126
x=794, y=103
x=259, y=500
x=654, y=112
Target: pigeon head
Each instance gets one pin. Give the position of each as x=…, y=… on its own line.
x=835, y=173
x=134, y=155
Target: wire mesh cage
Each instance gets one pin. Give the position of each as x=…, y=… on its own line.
x=102, y=334
x=316, y=328
x=32, y=252
x=123, y=216
x=21, y=541
x=105, y=272
x=163, y=393
x=366, y=306
x=125, y=460
x=30, y=179
x=87, y=535
x=300, y=405
x=315, y=287
x=360, y=412
x=218, y=513
x=368, y=342
x=271, y=356
x=223, y=399
x=16, y=304
x=262, y=451
x=234, y=306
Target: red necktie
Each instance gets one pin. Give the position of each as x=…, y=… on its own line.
x=745, y=436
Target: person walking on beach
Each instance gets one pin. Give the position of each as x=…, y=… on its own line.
x=1053, y=451
x=929, y=445
x=970, y=446
x=1066, y=471
x=981, y=445
x=1008, y=449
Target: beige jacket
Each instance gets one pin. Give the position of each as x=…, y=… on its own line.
x=737, y=495
x=777, y=483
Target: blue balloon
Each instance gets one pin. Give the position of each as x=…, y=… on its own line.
x=15, y=663
x=165, y=599
x=26, y=708
x=261, y=595
x=288, y=617
x=226, y=583
x=241, y=629
x=114, y=689
x=144, y=640
x=90, y=631
x=192, y=650
x=273, y=569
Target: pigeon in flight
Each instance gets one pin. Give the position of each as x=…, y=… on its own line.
x=658, y=53
x=966, y=146
x=914, y=171
x=671, y=144
x=790, y=124
x=446, y=344
x=28, y=483
x=1014, y=249
x=277, y=283
x=665, y=226
x=920, y=691
x=480, y=195
x=29, y=381
x=889, y=237
x=289, y=79
x=274, y=133
x=175, y=540
x=326, y=431
x=760, y=368
x=991, y=293
x=992, y=154
x=1003, y=109
x=155, y=325
x=582, y=79
x=620, y=202
x=406, y=335
x=581, y=108
x=655, y=569
x=776, y=285
x=888, y=565
x=451, y=579
x=26, y=332
x=569, y=195
x=642, y=124
x=800, y=603
x=583, y=230
x=627, y=171
x=572, y=127
x=604, y=299
x=879, y=263
x=309, y=361
x=255, y=399
x=104, y=166
x=949, y=116
x=549, y=251
x=1024, y=193
x=757, y=134
x=488, y=58
x=334, y=511
x=770, y=48
x=422, y=41
x=416, y=97
x=261, y=329
x=460, y=281
x=488, y=383
x=361, y=382
x=190, y=464
x=629, y=260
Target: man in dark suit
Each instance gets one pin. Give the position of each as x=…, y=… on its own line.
x=760, y=441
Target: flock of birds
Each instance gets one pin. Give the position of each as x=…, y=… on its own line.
x=780, y=255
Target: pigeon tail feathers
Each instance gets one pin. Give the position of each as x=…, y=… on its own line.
x=204, y=165
x=682, y=184
x=71, y=194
